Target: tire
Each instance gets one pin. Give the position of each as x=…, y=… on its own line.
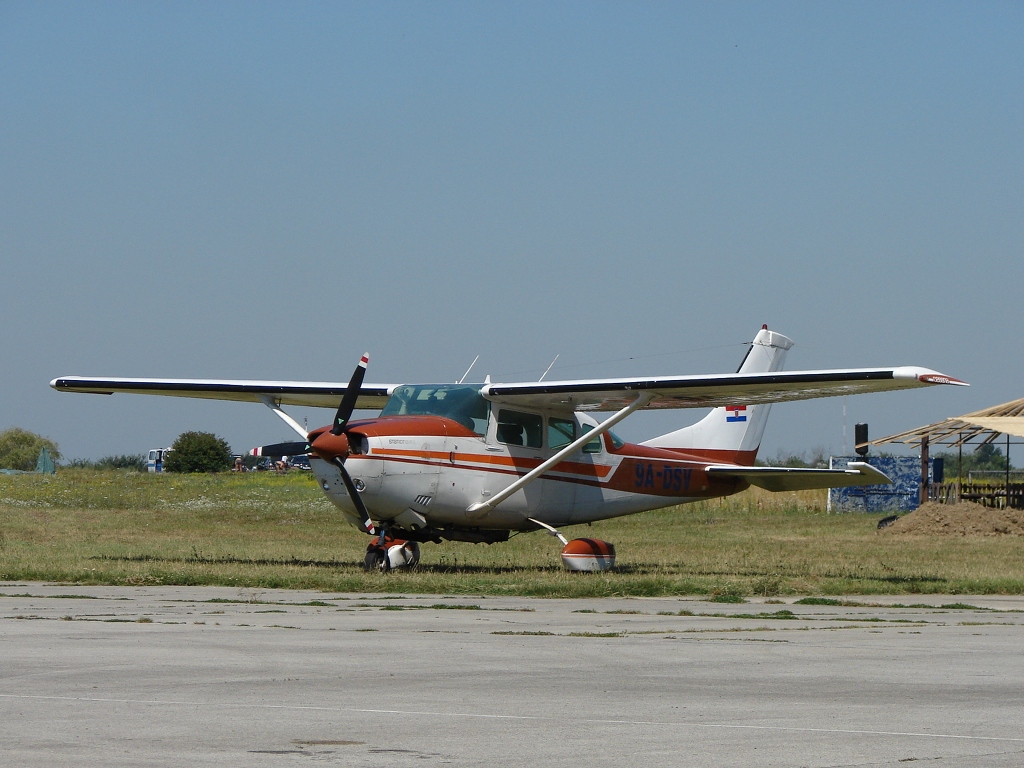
x=376, y=560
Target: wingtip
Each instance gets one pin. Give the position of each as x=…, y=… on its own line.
x=941, y=378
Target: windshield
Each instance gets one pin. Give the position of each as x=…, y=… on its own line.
x=453, y=401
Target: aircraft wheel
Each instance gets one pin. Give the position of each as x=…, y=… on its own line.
x=376, y=560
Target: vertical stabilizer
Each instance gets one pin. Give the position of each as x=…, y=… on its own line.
x=733, y=433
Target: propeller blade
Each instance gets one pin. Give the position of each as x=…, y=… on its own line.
x=354, y=495
x=348, y=402
x=281, y=449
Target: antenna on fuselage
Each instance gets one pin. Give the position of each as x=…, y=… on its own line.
x=548, y=369
x=468, y=370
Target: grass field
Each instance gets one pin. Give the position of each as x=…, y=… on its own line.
x=265, y=530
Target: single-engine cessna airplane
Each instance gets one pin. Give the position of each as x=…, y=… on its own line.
x=477, y=462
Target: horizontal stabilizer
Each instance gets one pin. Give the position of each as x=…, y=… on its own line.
x=801, y=478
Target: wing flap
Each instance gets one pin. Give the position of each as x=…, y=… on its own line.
x=802, y=479
x=320, y=394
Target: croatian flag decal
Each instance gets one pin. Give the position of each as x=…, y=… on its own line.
x=735, y=413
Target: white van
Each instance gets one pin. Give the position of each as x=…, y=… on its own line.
x=155, y=462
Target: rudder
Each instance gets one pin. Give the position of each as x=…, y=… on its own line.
x=733, y=433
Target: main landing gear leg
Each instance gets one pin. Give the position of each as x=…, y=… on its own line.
x=552, y=531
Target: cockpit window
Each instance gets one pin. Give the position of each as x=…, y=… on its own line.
x=459, y=403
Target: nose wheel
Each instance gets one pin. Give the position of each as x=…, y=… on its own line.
x=385, y=553
x=376, y=559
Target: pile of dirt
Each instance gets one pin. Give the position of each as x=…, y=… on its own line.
x=963, y=519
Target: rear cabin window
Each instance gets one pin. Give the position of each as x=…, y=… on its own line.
x=517, y=428
x=594, y=446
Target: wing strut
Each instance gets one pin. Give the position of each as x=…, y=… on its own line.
x=481, y=508
x=268, y=401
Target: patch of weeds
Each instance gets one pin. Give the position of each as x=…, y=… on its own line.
x=767, y=586
x=594, y=634
x=67, y=618
x=143, y=620
x=365, y=629
x=785, y=615
x=318, y=603
x=393, y=607
x=774, y=602
x=626, y=612
x=282, y=626
x=585, y=610
x=962, y=607
x=727, y=598
x=72, y=597
x=817, y=601
x=271, y=610
x=985, y=624
x=455, y=607
x=526, y=632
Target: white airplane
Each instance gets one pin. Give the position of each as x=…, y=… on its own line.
x=476, y=462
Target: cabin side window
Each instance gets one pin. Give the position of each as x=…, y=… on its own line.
x=561, y=432
x=518, y=428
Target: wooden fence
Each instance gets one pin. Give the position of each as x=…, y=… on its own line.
x=986, y=494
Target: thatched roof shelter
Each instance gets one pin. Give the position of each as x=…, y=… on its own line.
x=979, y=427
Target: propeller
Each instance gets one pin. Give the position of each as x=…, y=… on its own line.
x=330, y=443
x=333, y=444
x=348, y=402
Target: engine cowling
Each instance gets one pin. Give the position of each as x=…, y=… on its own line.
x=588, y=555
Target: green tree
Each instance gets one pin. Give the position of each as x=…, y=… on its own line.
x=198, y=452
x=986, y=457
x=19, y=449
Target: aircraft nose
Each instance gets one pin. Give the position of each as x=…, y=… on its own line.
x=329, y=446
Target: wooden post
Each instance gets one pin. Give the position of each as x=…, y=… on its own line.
x=959, y=468
x=1007, y=505
x=924, y=469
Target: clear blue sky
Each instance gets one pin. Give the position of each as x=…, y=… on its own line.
x=266, y=190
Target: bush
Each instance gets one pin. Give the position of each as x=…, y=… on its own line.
x=198, y=452
x=19, y=449
x=134, y=461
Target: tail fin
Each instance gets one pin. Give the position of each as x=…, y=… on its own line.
x=733, y=434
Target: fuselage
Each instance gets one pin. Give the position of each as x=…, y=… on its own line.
x=426, y=460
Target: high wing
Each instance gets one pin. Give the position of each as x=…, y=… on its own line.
x=801, y=479
x=321, y=394
x=704, y=391
x=712, y=391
